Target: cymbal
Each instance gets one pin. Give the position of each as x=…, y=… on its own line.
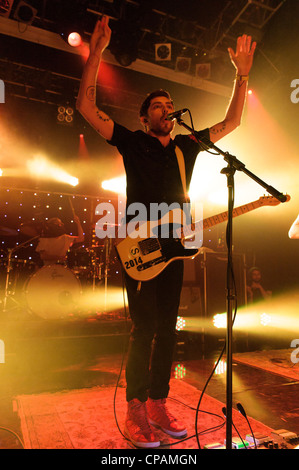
x=7, y=231
x=31, y=229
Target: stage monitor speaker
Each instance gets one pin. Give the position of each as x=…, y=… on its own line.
x=204, y=285
x=214, y=272
x=191, y=303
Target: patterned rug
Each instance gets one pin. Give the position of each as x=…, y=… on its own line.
x=93, y=419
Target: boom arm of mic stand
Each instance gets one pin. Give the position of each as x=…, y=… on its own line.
x=237, y=164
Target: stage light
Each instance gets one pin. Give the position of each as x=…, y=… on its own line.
x=102, y=301
x=116, y=185
x=71, y=21
x=25, y=13
x=180, y=324
x=183, y=64
x=219, y=320
x=203, y=71
x=65, y=115
x=40, y=167
x=179, y=371
x=74, y=39
x=220, y=368
x=250, y=91
x=265, y=319
x=163, y=51
x=83, y=150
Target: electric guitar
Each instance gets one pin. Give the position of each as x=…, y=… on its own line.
x=143, y=258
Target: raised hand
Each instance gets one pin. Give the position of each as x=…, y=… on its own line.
x=243, y=57
x=100, y=37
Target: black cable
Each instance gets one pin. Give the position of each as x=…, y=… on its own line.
x=123, y=357
x=243, y=412
x=14, y=434
x=224, y=412
x=206, y=431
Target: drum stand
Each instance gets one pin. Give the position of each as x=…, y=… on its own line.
x=7, y=293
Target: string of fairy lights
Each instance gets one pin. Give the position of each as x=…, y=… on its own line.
x=21, y=206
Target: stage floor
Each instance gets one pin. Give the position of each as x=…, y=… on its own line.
x=43, y=375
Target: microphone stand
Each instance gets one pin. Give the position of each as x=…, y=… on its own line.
x=233, y=164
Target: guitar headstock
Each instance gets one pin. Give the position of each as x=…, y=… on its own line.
x=271, y=200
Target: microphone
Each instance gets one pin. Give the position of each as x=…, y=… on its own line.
x=176, y=114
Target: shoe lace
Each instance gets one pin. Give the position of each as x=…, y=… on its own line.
x=139, y=415
x=161, y=405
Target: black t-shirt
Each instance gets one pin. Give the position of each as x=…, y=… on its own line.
x=152, y=171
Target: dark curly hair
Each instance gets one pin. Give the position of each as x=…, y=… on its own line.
x=146, y=103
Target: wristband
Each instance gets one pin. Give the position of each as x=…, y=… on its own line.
x=242, y=78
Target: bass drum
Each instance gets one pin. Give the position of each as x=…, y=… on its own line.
x=53, y=292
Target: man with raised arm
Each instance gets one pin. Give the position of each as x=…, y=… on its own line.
x=153, y=176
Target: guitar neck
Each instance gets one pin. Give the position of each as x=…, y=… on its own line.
x=222, y=217
x=219, y=218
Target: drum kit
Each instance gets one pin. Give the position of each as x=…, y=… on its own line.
x=52, y=291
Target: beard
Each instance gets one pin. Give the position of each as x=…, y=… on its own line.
x=162, y=128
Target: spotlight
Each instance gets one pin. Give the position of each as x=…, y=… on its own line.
x=179, y=371
x=65, y=115
x=116, y=185
x=25, y=12
x=74, y=39
x=70, y=36
x=163, y=51
x=265, y=319
x=125, y=58
x=180, y=324
x=183, y=64
x=203, y=71
x=250, y=92
x=220, y=368
x=219, y=320
x=42, y=168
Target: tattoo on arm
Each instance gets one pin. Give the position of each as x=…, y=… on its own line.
x=90, y=93
x=217, y=129
x=100, y=116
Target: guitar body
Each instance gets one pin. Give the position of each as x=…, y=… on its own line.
x=146, y=252
x=143, y=258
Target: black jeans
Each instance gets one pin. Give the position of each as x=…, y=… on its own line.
x=153, y=311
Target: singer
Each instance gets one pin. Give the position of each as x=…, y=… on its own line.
x=153, y=176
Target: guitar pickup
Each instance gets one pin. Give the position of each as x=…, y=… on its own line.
x=151, y=263
x=149, y=245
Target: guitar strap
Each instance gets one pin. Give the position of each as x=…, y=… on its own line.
x=181, y=163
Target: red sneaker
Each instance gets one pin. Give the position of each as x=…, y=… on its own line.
x=137, y=427
x=160, y=416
